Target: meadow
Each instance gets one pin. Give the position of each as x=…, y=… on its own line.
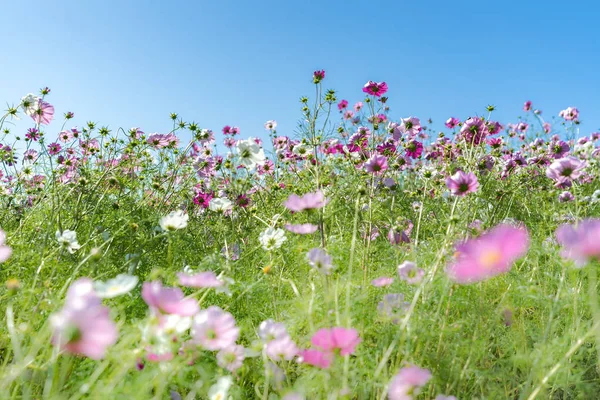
x=365, y=256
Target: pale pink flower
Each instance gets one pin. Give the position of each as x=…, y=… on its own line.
x=376, y=165
x=44, y=113
x=308, y=201
x=410, y=273
x=382, y=281
x=206, y=279
x=214, y=329
x=301, y=229
x=570, y=114
x=491, y=254
x=407, y=383
x=580, y=242
x=231, y=358
x=168, y=300
x=282, y=348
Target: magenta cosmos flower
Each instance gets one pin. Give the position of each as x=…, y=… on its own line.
x=375, y=88
x=491, y=254
x=461, y=183
x=83, y=326
x=214, y=329
x=414, y=149
x=377, y=164
x=318, y=76
x=452, y=122
x=408, y=382
x=168, y=300
x=580, y=242
x=308, y=201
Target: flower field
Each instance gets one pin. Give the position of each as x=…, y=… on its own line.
x=365, y=256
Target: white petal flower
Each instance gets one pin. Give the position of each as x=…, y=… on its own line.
x=30, y=104
x=68, y=240
x=174, y=221
x=117, y=286
x=219, y=390
x=220, y=204
x=272, y=238
x=250, y=153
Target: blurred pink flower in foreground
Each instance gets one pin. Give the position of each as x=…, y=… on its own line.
x=328, y=341
x=205, y=279
x=308, y=201
x=5, y=251
x=301, y=229
x=491, y=254
x=83, y=326
x=214, y=329
x=168, y=300
x=580, y=242
x=407, y=383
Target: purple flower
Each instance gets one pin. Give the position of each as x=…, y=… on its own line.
x=565, y=168
x=474, y=131
x=461, y=183
x=565, y=197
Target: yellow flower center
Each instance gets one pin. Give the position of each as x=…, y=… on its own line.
x=490, y=258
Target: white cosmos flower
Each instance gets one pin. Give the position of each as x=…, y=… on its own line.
x=595, y=197
x=117, y=286
x=174, y=221
x=30, y=103
x=271, y=125
x=68, y=240
x=250, y=153
x=272, y=238
x=219, y=390
x=220, y=204
x=175, y=324
x=302, y=150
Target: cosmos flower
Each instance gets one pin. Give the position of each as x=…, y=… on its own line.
x=376, y=164
x=301, y=229
x=320, y=260
x=409, y=272
x=117, y=286
x=167, y=300
x=214, y=329
x=461, y=183
x=68, y=240
x=375, y=88
x=205, y=279
x=250, y=153
x=408, y=383
x=174, y=221
x=5, y=251
x=580, y=242
x=272, y=238
x=308, y=201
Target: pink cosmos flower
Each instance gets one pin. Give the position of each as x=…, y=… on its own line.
x=409, y=272
x=376, y=165
x=271, y=125
x=570, y=114
x=44, y=113
x=5, y=251
x=83, y=326
x=317, y=358
x=338, y=338
x=231, y=358
x=580, y=242
x=205, y=279
x=382, y=281
x=282, y=348
x=414, y=149
x=408, y=382
x=461, y=183
x=168, y=300
x=301, y=229
x=410, y=126
x=527, y=106
x=565, y=168
x=358, y=106
x=375, y=88
x=214, y=329
x=491, y=254
x=452, y=122
x=308, y=201
x=565, y=197
x=158, y=140
x=342, y=104
x=318, y=76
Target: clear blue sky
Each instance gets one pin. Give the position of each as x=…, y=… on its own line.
x=131, y=63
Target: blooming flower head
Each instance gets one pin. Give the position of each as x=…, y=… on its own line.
x=231, y=358
x=206, y=279
x=29, y=104
x=175, y=220
x=410, y=273
x=282, y=348
x=214, y=329
x=167, y=300
x=301, y=229
x=5, y=251
x=410, y=126
x=117, y=286
x=68, y=240
x=342, y=104
x=272, y=238
x=331, y=339
x=414, y=149
x=317, y=358
x=452, y=122
x=318, y=76
x=580, y=242
x=570, y=114
x=565, y=168
x=491, y=254
x=220, y=204
x=320, y=260
x=250, y=153
x=461, y=183
x=408, y=382
x=83, y=326
x=527, y=106
x=375, y=88
x=376, y=165
x=219, y=390
x=308, y=201
x=270, y=330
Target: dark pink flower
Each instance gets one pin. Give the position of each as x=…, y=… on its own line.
x=414, y=149
x=452, y=122
x=375, y=88
x=331, y=339
x=342, y=104
x=318, y=76
x=527, y=106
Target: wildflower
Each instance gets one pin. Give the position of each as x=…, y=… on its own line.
x=44, y=113
x=5, y=251
x=565, y=168
x=83, y=326
x=117, y=286
x=382, y=281
x=306, y=202
x=270, y=330
x=474, y=131
x=491, y=254
x=414, y=149
x=272, y=238
x=595, y=198
x=301, y=229
x=271, y=125
x=565, y=197
x=375, y=88
x=282, y=348
x=320, y=260
x=68, y=240
x=452, y=122
x=317, y=358
x=376, y=165
x=318, y=76
x=167, y=300
x=29, y=104
x=580, y=242
x=220, y=204
x=214, y=329
x=231, y=358
x=461, y=183
x=219, y=390
x=175, y=220
x=410, y=126
x=392, y=306
x=250, y=153
x=408, y=383
x=547, y=127
x=206, y=279
x=409, y=272
x=358, y=106
x=342, y=104
x=570, y=114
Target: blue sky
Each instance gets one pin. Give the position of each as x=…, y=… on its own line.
x=131, y=63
